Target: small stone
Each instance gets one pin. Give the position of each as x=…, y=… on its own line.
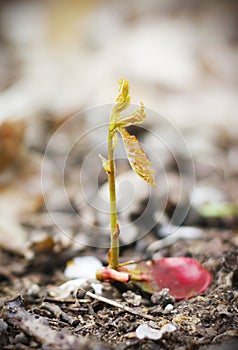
x=3, y=326
x=21, y=338
x=132, y=298
x=162, y=298
x=145, y=331
x=34, y=290
x=68, y=288
x=82, y=267
x=97, y=287
x=168, y=308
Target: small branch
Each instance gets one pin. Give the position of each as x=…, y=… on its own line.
x=62, y=301
x=104, y=300
x=15, y=314
x=120, y=306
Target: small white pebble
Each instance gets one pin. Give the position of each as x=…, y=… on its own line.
x=68, y=288
x=71, y=286
x=34, y=289
x=97, y=287
x=82, y=267
x=144, y=331
x=168, y=308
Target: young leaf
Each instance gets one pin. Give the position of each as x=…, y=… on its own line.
x=105, y=163
x=117, y=120
x=122, y=102
x=136, y=117
x=137, y=157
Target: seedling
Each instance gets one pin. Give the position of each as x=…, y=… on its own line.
x=183, y=276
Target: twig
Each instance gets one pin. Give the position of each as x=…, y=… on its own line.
x=15, y=314
x=104, y=300
x=64, y=301
x=120, y=306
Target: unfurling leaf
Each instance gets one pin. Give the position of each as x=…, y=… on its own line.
x=118, y=121
x=136, y=117
x=123, y=100
x=105, y=163
x=137, y=157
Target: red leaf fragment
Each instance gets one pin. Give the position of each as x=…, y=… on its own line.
x=184, y=277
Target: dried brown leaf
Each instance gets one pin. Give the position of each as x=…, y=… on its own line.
x=137, y=157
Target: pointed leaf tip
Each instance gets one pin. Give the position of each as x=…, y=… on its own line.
x=105, y=163
x=123, y=99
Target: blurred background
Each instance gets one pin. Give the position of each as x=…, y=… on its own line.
x=60, y=57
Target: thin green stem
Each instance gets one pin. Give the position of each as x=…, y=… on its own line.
x=113, y=255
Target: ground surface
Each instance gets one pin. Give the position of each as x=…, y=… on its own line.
x=33, y=316
x=181, y=58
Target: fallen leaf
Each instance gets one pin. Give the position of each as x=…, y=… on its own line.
x=184, y=277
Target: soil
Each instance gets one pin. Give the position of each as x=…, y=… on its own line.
x=31, y=318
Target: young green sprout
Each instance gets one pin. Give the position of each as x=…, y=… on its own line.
x=188, y=277
x=136, y=156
